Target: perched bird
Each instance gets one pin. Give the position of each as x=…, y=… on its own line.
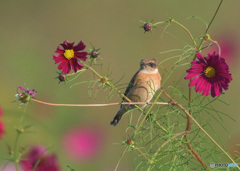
x=142, y=86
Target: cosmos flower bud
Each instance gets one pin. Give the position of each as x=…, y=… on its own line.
x=61, y=77
x=130, y=142
x=103, y=80
x=206, y=37
x=147, y=27
x=94, y=54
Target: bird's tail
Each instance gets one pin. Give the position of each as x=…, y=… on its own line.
x=118, y=116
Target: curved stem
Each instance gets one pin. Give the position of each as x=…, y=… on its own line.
x=203, y=130
x=165, y=143
x=160, y=22
x=116, y=90
x=151, y=161
x=111, y=85
x=89, y=67
x=99, y=105
x=189, y=33
x=77, y=72
x=197, y=156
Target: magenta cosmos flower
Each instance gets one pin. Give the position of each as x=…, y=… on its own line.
x=1, y=124
x=39, y=160
x=69, y=55
x=1, y=129
x=209, y=73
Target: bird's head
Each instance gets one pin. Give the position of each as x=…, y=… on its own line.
x=149, y=65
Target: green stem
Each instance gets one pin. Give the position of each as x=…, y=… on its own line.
x=16, y=160
x=76, y=72
x=160, y=22
x=199, y=126
x=200, y=45
x=110, y=85
x=189, y=33
x=95, y=72
x=165, y=143
x=149, y=112
x=150, y=161
x=125, y=97
x=121, y=158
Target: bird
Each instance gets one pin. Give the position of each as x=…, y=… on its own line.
x=142, y=87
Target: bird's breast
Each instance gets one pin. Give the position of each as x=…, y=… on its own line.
x=150, y=81
x=144, y=86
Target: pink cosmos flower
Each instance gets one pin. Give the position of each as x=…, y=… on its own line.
x=9, y=166
x=1, y=129
x=69, y=56
x=209, y=73
x=1, y=112
x=39, y=160
x=83, y=143
x=228, y=41
x=1, y=124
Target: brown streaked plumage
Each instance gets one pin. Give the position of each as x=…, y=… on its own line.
x=142, y=86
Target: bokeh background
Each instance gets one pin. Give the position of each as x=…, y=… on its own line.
x=30, y=32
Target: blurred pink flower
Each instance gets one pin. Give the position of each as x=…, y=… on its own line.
x=1, y=112
x=229, y=44
x=10, y=166
x=1, y=129
x=83, y=143
x=1, y=124
x=39, y=160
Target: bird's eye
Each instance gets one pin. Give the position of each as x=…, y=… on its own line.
x=152, y=65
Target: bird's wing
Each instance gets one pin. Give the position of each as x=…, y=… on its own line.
x=130, y=85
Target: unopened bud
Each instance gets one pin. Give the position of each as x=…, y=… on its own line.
x=103, y=80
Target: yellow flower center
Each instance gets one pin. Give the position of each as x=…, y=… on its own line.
x=69, y=53
x=210, y=72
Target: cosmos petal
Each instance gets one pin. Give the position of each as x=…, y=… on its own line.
x=189, y=76
x=58, y=58
x=20, y=87
x=59, y=50
x=81, y=55
x=67, y=45
x=64, y=66
x=200, y=85
x=193, y=82
x=79, y=47
x=200, y=57
x=207, y=88
x=75, y=64
x=213, y=90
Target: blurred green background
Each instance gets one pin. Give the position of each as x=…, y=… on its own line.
x=30, y=32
